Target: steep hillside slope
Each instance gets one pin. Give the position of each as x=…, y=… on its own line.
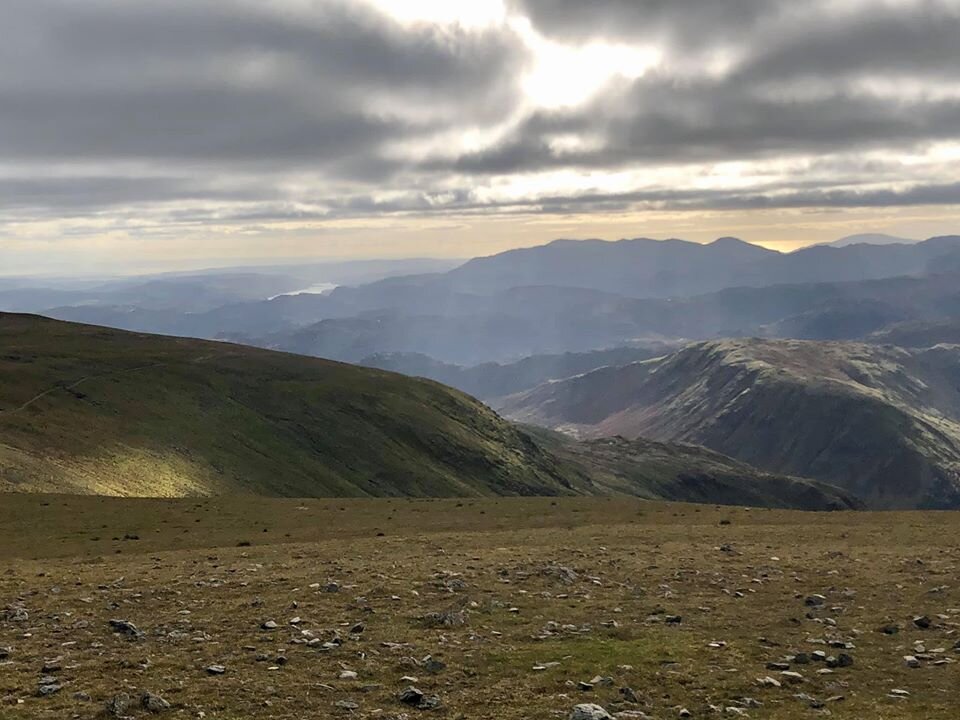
x=879, y=421
x=690, y=473
x=88, y=410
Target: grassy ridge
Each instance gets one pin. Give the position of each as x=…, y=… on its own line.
x=89, y=410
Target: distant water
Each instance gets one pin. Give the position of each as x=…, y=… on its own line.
x=315, y=289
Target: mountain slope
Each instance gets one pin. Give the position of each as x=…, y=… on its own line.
x=879, y=421
x=89, y=410
x=494, y=380
x=690, y=473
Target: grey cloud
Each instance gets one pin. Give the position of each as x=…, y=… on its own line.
x=225, y=99
x=685, y=23
x=177, y=80
x=757, y=108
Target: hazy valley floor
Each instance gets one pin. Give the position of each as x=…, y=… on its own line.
x=519, y=599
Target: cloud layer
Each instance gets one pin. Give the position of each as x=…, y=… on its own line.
x=138, y=115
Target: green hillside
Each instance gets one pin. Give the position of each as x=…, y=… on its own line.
x=85, y=409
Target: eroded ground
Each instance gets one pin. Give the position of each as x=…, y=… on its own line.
x=499, y=608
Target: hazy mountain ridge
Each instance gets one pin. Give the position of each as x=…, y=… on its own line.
x=575, y=296
x=881, y=422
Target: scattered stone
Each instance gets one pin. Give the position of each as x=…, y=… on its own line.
x=589, y=711
x=629, y=695
x=348, y=675
x=433, y=665
x=768, y=682
x=5, y=652
x=269, y=625
x=455, y=617
x=922, y=621
x=118, y=705
x=778, y=666
x=792, y=677
x=889, y=629
x=215, y=669
x=814, y=600
x=49, y=686
x=153, y=703
x=127, y=629
x=16, y=613
x=416, y=698
x=911, y=661
x=348, y=705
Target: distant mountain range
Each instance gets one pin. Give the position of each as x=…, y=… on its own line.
x=879, y=421
x=871, y=239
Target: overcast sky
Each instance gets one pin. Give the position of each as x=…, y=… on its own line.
x=143, y=134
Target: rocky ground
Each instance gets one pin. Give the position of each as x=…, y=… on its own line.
x=570, y=608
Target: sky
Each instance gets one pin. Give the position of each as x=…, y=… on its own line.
x=140, y=135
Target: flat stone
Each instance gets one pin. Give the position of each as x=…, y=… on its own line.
x=589, y=711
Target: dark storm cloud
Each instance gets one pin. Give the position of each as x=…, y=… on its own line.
x=230, y=81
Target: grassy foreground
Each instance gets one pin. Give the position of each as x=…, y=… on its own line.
x=519, y=599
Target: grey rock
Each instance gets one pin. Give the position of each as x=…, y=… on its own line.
x=589, y=711
x=127, y=629
x=153, y=703
x=416, y=698
x=215, y=669
x=346, y=705
x=922, y=621
x=118, y=705
x=433, y=665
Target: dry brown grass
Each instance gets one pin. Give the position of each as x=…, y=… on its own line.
x=201, y=599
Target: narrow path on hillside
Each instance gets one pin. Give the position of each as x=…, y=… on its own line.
x=77, y=383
